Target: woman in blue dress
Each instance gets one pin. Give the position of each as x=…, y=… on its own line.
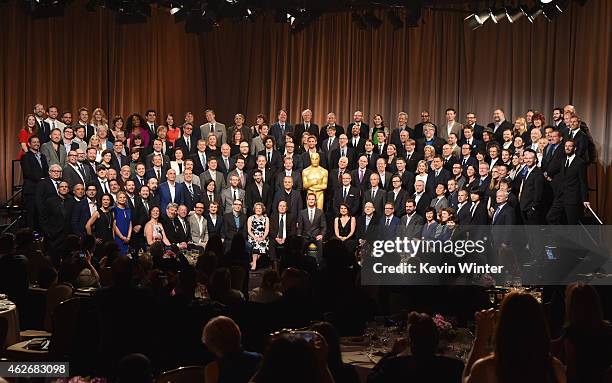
x=123, y=223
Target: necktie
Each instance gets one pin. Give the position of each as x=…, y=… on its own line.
x=226, y=162
x=105, y=186
x=340, y=175
x=269, y=157
x=472, y=210
x=212, y=128
x=184, y=226
x=354, y=142
x=56, y=183
x=549, y=150
x=388, y=222
x=187, y=143
x=82, y=169
x=567, y=163
x=310, y=216
x=210, y=197
x=146, y=206
x=53, y=124
x=344, y=194
x=380, y=149
x=373, y=193
x=203, y=161
x=235, y=197
x=158, y=174
x=190, y=190
x=283, y=129
x=360, y=175
x=496, y=212
x=464, y=161
x=368, y=155
x=437, y=173
x=329, y=143
x=282, y=226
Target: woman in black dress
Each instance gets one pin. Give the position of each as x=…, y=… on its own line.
x=100, y=225
x=344, y=228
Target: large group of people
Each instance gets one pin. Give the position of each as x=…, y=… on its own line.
x=137, y=182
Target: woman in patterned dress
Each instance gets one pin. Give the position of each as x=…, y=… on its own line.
x=258, y=227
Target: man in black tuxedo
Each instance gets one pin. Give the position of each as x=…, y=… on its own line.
x=183, y=227
x=274, y=161
x=56, y=219
x=288, y=171
x=171, y=224
x=469, y=139
x=258, y=191
x=214, y=220
x=479, y=217
x=34, y=168
x=406, y=176
x=476, y=130
x=346, y=193
x=411, y=224
x=552, y=162
x=430, y=139
x=375, y=194
x=44, y=129
x=249, y=160
x=466, y=158
x=194, y=193
x=437, y=175
x=47, y=188
x=397, y=196
x=499, y=124
x=280, y=128
x=573, y=190
x=463, y=207
x=418, y=128
x=421, y=198
x=150, y=124
x=361, y=175
x=289, y=195
x=84, y=209
x=363, y=128
x=118, y=159
x=311, y=224
x=580, y=139
x=356, y=141
x=343, y=150
x=367, y=224
x=334, y=181
x=72, y=172
x=305, y=126
x=282, y=225
x=187, y=141
x=503, y=216
x=234, y=222
x=531, y=191
x=448, y=159
x=557, y=122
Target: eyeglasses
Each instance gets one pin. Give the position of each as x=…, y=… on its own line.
x=55, y=171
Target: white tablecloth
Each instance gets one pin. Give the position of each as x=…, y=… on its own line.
x=8, y=310
x=357, y=356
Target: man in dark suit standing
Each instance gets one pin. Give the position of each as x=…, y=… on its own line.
x=257, y=191
x=389, y=223
x=34, y=168
x=430, y=139
x=56, y=219
x=552, y=162
x=356, y=141
x=289, y=195
x=580, y=138
x=531, y=190
x=282, y=225
x=437, y=175
x=361, y=175
x=329, y=144
x=305, y=126
x=346, y=193
x=364, y=129
x=463, y=207
x=273, y=158
x=375, y=193
x=288, y=170
x=44, y=129
x=171, y=225
x=234, y=222
x=119, y=159
x=343, y=150
x=421, y=198
x=476, y=130
x=193, y=193
x=418, y=128
x=187, y=142
x=469, y=139
x=280, y=128
x=411, y=224
x=397, y=196
x=573, y=190
x=311, y=224
x=367, y=225
x=501, y=234
x=84, y=209
x=47, y=188
x=499, y=124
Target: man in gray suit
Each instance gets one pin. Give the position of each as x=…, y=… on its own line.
x=53, y=150
x=311, y=224
x=258, y=142
x=375, y=194
x=198, y=225
x=215, y=127
x=451, y=125
x=233, y=192
x=411, y=224
x=215, y=174
x=288, y=171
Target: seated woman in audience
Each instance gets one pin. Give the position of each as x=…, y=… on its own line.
x=222, y=337
x=421, y=172
x=211, y=147
x=269, y=291
x=344, y=227
x=430, y=226
x=586, y=344
x=340, y=371
x=117, y=125
x=220, y=288
x=391, y=158
x=106, y=158
x=291, y=358
x=260, y=121
x=178, y=164
x=101, y=222
x=122, y=226
x=29, y=129
x=135, y=126
x=235, y=141
x=258, y=228
x=153, y=230
x=378, y=125
x=173, y=132
x=471, y=177
x=94, y=142
x=521, y=351
x=416, y=358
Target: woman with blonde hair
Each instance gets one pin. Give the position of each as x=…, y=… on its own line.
x=98, y=118
x=95, y=142
x=258, y=228
x=520, y=129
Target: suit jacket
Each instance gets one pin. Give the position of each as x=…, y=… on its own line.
x=80, y=216
x=334, y=180
x=293, y=199
x=480, y=216
x=476, y=145
x=229, y=226
x=220, y=132
x=353, y=200
x=500, y=130
x=422, y=204
x=378, y=200
x=308, y=229
x=219, y=178
x=504, y=217
x=477, y=132
x=257, y=145
x=463, y=214
x=364, y=130
x=183, y=234
x=413, y=160
x=573, y=185
x=306, y=160
x=52, y=156
x=447, y=163
x=465, y=162
x=141, y=215
x=433, y=181
x=365, y=182
x=279, y=135
x=327, y=149
x=214, y=228
x=33, y=171
x=408, y=182
x=44, y=190
x=553, y=162
x=190, y=200
x=73, y=176
x=359, y=147
x=582, y=145
x=171, y=228
x=268, y=176
x=165, y=197
x=437, y=143
x=317, y=131
x=279, y=178
x=252, y=196
x=371, y=160
x=115, y=162
x=439, y=204
x=399, y=202
x=298, y=131
x=206, y=200
x=532, y=190
x=388, y=232
x=44, y=130
x=412, y=229
x=277, y=160
x=335, y=157
x=150, y=173
x=367, y=232
x=198, y=167
x=245, y=174
x=395, y=136
x=429, y=230
x=381, y=150
x=165, y=161
x=290, y=225
x=198, y=235
x=457, y=128
x=56, y=218
x=227, y=199
x=386, y=182
x=187, y=152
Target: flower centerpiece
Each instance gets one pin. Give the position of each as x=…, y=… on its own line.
x=445, y=327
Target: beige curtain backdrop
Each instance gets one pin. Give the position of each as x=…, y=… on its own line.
x=86, y=59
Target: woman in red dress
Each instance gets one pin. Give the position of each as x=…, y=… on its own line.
x=29, y=129
x=174, y=132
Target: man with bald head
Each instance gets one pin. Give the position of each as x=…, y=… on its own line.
x=363, y=128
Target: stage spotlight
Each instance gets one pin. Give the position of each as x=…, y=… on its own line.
x=372, y=20
x=395, y=20
x=174, y=9
x=551, y=11
x=545, y=1
x=232, y=1
x=534, y=13
x=514, y=14
x=359, y=21
x=250, y=15
x=476, y=20
x=497, y=15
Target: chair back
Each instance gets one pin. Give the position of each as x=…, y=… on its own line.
x=237, y=276
x=66, y=317
x=106, y=277
x=183, y=375
x=3, y=333
x=56, y=294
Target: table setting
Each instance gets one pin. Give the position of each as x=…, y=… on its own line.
x=8, y=310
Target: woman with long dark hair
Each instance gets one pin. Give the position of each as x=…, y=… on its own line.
x=101, y=222
x=29, y=129
x=522, y=345
x=135, y=126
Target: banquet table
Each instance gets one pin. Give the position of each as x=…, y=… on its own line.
x=9, y=311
